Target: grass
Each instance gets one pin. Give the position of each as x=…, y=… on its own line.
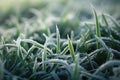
x=58, y=40
x=98, y=33
x=69, y=50
x=56, y=59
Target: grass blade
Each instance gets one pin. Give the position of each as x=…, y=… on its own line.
x=97, y=27
x=35, y=44
x=63, y=62
x=104, y=19
x=71, y=49
x=58, y=39
x=44, y=57
x=76, y=69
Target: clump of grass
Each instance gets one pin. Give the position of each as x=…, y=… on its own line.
x=62, y=58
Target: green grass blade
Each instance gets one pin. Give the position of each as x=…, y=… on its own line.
x=19, y=50
x=70, y=45
x=48, y=31
x=44, y=57
x=76, y=69
x=72, y=35
x=58, y=39
x=97, y=24
x=105, y=20
x=59, y=61
x=98, y=33
x=35, y=44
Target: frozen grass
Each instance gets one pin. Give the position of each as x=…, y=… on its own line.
x=69, y=51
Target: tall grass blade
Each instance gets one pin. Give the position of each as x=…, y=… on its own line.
x=58, y=61
x=98, y=33
x=58, y=39
x=76, y=68
x=105, y=20
x=44, y=57
x=70, y=45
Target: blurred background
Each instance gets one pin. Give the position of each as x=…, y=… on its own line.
x=19, y=14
